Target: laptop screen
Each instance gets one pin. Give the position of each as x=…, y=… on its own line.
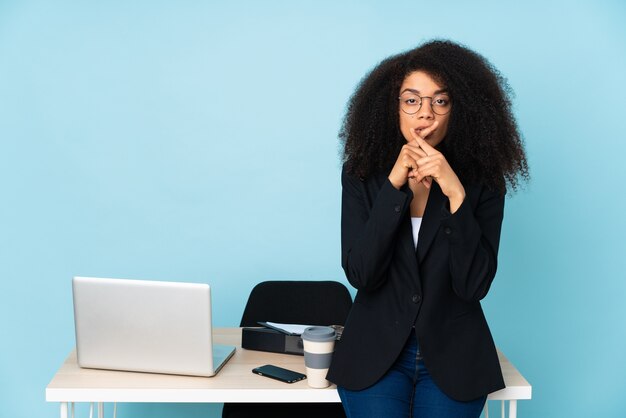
x=143, y=325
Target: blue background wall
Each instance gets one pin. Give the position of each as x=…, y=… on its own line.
x=198, y=142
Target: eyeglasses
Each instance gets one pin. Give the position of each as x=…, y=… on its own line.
x=411, y=103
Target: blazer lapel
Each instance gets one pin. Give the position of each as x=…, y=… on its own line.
x=431, y=220
x=405, y=236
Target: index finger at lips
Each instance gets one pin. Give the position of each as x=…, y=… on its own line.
x=424, y=147
x=429, y=130
x=422, y=142
x=415, y=135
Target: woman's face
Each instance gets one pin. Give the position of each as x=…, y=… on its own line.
x=414, y=118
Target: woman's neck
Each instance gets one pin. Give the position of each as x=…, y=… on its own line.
x=420, y=197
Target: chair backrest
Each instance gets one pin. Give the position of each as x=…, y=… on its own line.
x=298, y=302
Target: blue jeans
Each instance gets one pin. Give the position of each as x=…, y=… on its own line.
x=406, y=391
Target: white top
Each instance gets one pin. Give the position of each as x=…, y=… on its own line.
x=416, y=223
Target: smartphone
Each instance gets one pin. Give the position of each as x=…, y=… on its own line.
x=278, y=373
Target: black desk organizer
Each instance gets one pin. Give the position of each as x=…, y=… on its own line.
x=267, y=339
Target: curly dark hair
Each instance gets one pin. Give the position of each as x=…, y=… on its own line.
x=482, y=143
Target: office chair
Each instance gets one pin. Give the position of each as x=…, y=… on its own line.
x=293, y=302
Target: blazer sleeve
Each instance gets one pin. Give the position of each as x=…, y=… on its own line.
x=368, y=230
x=474, y=237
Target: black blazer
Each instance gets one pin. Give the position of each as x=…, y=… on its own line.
x=437, y=288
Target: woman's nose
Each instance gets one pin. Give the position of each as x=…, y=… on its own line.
x=426, y=111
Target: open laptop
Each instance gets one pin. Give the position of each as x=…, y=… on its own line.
x=146, y=326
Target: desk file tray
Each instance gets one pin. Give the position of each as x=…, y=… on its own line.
x=266, y=339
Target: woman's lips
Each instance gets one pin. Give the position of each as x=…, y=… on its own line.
x=419, y=131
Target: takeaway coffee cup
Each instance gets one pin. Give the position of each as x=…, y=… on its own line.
x=319, y=343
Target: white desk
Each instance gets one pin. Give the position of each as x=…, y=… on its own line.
x=234, y=383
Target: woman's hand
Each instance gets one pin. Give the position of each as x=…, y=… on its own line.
x=434, y=165
x=406, y=164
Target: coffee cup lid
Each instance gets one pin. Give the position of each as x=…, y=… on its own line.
x=321, y=334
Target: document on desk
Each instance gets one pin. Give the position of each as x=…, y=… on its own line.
x=289, y=329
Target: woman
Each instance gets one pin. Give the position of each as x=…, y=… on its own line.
x=430, y=149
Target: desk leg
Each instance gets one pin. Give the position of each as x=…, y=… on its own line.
x=100, y=409
x=513, y=408
x=63, y=409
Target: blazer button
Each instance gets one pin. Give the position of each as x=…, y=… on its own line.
x=416, y=298
x=397, y=209
x=447, y=230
